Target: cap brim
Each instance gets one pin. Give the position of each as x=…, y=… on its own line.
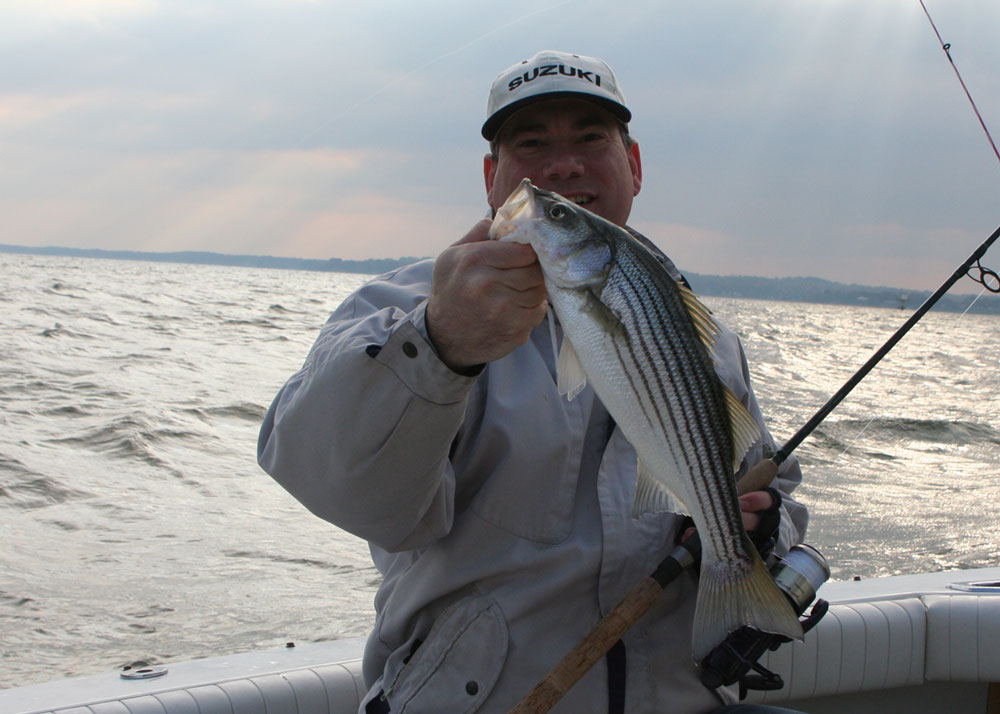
x=493, y=124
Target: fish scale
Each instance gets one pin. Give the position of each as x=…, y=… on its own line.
x=686, y=365
x=642, y=341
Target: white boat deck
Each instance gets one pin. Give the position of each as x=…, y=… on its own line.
x=909, y=644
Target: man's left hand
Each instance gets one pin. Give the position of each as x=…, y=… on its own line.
x=752, y=504
x=762, y=518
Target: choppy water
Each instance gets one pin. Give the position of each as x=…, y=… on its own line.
x=137, y=526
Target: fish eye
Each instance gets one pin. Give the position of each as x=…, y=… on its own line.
x=556, y=211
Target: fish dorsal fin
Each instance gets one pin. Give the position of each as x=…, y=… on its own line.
x=745, y=429
x=701, y=316
x=651, y=496
x=570, y=377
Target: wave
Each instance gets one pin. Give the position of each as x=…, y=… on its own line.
x=35, y=310
x=71, y=411
x=21, y=487
x=130, y=437
x=16, y=600
x=247, y=411
x=837, y=434
x=62, y=290
x=102, y=317
x=935, y=430
x=309, y=562
x=256, y=322
x=282, y=310
x=141, y=299
x=43, y=390
x=143, y=356
x=59, y=331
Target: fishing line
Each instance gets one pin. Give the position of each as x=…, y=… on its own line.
x=856, y=438
x=987, y=278
x=990, y=281
x=824, y=411
x=946, y=46
x=974, y=301
x=972, y=268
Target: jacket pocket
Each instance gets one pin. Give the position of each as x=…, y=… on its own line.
x=455, y=668
x=519, y=453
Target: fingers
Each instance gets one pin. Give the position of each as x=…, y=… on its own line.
x=751, y=521
x=751, y=504
x=486, y=297
x=756, y=501
x=762, y=517
x=753, y=507
x=499, y=254
x=475, y=269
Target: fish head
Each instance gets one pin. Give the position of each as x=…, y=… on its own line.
x=573, y=245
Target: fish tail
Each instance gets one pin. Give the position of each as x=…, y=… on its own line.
x=728, y=601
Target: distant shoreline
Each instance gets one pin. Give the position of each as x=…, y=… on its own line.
x=810, y=290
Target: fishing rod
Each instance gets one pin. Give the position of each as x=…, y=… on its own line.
x=946, y=46
x=987, y=278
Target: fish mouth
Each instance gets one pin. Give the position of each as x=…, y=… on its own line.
x=517, y=206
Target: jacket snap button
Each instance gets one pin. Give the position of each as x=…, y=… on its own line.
x=472, y=688
x=409, y=349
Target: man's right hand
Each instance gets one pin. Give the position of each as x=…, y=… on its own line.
x=485, y=299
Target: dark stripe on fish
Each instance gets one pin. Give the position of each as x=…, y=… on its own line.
x=649, y=303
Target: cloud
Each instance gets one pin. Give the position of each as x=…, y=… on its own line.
x=39, y=14
x=777, y=135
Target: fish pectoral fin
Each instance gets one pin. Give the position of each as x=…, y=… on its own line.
x=727, y=602
x=570, y=377
x=651, y=496
x=602, y=314
x=744, y=428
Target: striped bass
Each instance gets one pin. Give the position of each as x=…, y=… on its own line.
x=643, y=341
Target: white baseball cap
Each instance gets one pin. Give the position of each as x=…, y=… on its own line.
x=551, y=73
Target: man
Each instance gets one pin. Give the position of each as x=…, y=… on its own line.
x=426, y=419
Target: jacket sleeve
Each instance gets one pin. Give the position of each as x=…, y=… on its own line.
x=361, y=434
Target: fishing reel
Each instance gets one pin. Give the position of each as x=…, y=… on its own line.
x=799, y=575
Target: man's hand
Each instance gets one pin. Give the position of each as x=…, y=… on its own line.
x=485, y=299
x=752, y=504
x=755, y=506
x=762, y=518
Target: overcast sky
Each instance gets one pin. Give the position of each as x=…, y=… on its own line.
x=825, y=138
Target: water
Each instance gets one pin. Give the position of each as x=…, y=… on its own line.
x=136, y=525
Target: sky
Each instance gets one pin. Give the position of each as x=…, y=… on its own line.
x=825, y=138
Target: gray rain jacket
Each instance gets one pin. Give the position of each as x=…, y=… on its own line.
x=498, y=512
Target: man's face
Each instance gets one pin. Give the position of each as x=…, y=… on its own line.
x=572, y=147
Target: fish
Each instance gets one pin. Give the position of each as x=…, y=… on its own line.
x=644, y=342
